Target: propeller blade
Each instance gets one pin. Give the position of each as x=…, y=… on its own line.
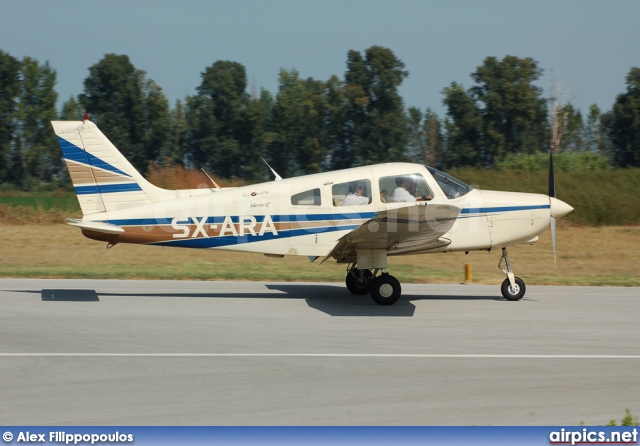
x=552, y=177
x=552, y=195
x=553, y=240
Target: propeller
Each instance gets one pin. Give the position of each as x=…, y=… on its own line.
x=552, y=194
x=558, y=208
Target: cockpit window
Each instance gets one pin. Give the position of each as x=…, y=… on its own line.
x=400, y=188
x=352, y=193
x=452, y=187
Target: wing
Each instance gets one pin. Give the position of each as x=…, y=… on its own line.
x=416, y=227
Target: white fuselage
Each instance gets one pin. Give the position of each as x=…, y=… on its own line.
x=304, y=215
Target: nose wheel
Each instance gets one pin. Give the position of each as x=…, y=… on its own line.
x=513, y=292
x=513, y=288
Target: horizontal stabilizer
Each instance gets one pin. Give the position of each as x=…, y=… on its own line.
x=97, y=226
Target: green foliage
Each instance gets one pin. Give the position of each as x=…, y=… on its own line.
x=376, y=113
x=463, y=127
x=312, y=125
x=297, y=122
x=563, y=162
x=512, y=106
x=624, y=123
x=37, y=154
x=503, y=113
x=220, y=122
x=129, y=108
x=628, y=420
x=9, y=93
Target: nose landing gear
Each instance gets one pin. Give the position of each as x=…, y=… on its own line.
x=513, y=288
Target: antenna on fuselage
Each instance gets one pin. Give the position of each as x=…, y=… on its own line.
x=215, y=185
x=278, y=177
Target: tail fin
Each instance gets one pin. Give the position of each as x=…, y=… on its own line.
x=103, y=178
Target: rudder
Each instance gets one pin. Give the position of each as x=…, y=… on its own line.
x=104, y=180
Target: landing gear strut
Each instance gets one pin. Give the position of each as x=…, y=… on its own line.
x=358, y=281
x=384, y=288
x=513, y=287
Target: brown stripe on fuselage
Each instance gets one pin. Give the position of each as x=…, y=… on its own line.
x=164, y=233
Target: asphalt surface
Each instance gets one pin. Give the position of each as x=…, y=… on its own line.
x=248, y=353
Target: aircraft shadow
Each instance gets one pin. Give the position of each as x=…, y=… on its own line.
x=332, y=300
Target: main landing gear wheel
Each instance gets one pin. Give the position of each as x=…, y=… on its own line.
x=359, y=284
x=513, y=293
x=385, y=289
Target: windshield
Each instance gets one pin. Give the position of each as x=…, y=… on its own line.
x=452, y=187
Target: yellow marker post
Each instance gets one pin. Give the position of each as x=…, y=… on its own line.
x=467, y=273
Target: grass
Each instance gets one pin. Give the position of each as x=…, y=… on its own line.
x=605, y=256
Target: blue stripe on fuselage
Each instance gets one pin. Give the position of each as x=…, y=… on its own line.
x=503, y=209
x=227, y=240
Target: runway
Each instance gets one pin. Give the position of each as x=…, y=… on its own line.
x=249, y=353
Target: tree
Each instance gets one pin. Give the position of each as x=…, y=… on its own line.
x=376, y=111
x=464, y=128
x=624, y=123
x=174, y=150
x=130, y=109
x=503, y=113
x=594, y=134
x=339, y=130
x=432, y=130
x=260, y=132
x=512, y=107
x=416, y=144
x=299, y=122
x=36, y=148
x=71, y=110
x=218, y=135
x=9, y=92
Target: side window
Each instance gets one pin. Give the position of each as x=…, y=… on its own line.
x=352, y=193
x=307, y=198
x=404, y=188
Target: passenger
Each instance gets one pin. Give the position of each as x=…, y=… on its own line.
x=356, y=195
x=383, y=195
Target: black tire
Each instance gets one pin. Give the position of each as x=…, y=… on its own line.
x=513, y=294
x=359, y=288
x=385, y=290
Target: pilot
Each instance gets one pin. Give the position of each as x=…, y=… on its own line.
x=412, y=191
x=356, y=195
x=402, y=192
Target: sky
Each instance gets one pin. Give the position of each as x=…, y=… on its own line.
x=586, y=47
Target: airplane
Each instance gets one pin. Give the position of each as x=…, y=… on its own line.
x=359, y=217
